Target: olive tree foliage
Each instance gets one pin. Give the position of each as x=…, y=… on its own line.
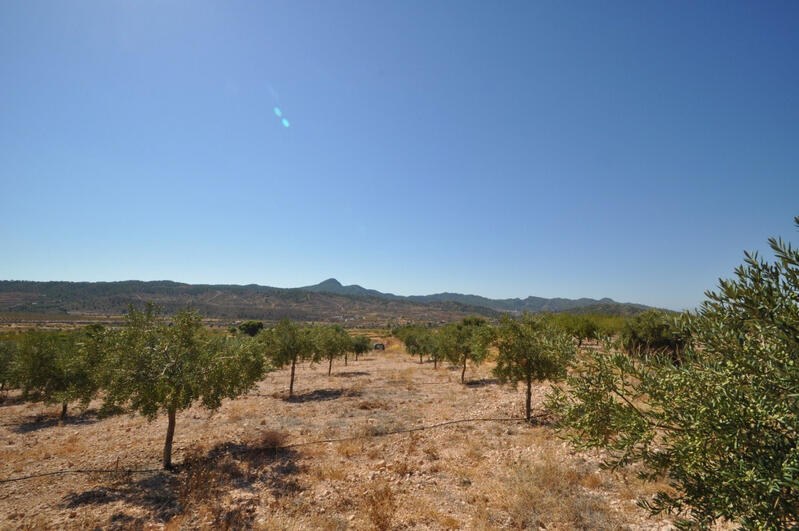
x=286, y=344
x=653, y=332
x=251, y=328
x=360, y=346
x=531, y=349
x=582, y=328
x=59, y=367
x=330, y=341
x=464, y=341
x=8, y=353
x=722, y=426
x=418, y=340
x=158, y=367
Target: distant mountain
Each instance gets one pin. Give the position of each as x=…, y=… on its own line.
x=530, y=304
x=326, y=301
x=227, y=302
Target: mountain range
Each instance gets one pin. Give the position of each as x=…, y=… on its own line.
x=326, y=301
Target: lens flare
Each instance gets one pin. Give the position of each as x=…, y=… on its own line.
x=278, y=112
x=285, y=122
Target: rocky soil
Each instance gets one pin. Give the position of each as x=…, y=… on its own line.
x=247, y=465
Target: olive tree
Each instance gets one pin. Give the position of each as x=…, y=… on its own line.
x=330, y=342
x=360, y=346
x=157, y=367
x=287, y=344
x=653, y=332
x=723, y=426
x=56, y=367
x=531, y=349
x=464, y=341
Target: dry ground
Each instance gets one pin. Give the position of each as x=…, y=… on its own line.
x=482, y=475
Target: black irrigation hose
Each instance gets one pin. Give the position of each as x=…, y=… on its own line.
x=276, y=448
x=83, y=471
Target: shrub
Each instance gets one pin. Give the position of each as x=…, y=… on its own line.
x=251, y=328
x=653, y=332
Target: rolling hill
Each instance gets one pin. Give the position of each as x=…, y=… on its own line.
x=326, y=301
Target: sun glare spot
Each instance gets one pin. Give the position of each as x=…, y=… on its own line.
x=285, y=123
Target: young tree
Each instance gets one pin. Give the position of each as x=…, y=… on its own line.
x=155, y=367
x=418, y=342
x=251, y=328
x=287, y=344
x=531, y=349
x=330, y=342
x=55, y=368
x=465, y=341
x=723, y=426
x=360, y=346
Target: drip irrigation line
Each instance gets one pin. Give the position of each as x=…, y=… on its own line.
x=276, y=448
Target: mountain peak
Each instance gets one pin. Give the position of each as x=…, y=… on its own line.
x=330, y=283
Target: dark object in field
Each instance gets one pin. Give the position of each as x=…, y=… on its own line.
x=379, y=346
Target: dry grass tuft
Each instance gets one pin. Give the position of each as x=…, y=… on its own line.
x=350, y=448
x=269, y=440
x=548, y=490
x=368, y=405
x=382, y=505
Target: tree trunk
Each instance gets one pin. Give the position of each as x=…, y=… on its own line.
x=463, y=372
x=420, y=359
x=345, y=359
x=529, y=395
x=170, y=433
x=435, y=363
x=291, y=382
x=330, y=366
x=63, y=410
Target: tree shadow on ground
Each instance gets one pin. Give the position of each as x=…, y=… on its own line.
x=8, y=399
x=321, y=395
x=156, y=492
x=350, y=374
x=40, y=422
x=482, y=382
x=195, y=489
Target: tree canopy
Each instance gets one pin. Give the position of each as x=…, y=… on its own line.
x=158, y=367
x=531, y=349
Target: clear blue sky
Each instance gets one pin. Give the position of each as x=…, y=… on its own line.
x=623, y=149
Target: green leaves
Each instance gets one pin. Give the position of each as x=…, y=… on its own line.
x=531, y=348
x=722, y=425
x=57, y=367
x=155, y=365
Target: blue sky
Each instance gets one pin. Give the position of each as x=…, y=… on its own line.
x=623, y=149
